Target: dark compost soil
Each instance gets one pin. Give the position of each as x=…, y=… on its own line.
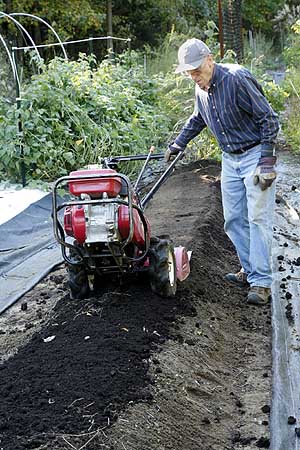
x=126, y=369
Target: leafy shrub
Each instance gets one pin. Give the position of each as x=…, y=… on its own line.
x=292, y=115
x=291, y=52
x=292, y=86
x=73, y=114
x=277, y=95
x=291, y=127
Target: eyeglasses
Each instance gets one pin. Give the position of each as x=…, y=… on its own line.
x=197, y=71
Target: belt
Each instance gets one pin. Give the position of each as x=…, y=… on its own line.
x=244, y=149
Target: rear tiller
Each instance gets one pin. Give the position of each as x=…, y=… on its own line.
x=104, y=230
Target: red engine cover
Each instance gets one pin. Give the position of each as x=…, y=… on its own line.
x=74, y=223
x=138, y=230
x=96, y=186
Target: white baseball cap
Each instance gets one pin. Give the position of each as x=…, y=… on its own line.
x=191, y=55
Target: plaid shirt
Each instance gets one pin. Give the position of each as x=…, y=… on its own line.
x=235, y=109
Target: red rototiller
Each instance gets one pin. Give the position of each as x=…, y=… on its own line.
x=104, y=230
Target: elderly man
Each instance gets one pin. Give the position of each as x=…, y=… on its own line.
x=230, y=101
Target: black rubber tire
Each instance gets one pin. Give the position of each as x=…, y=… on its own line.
x=162, y=270
x=78, y=280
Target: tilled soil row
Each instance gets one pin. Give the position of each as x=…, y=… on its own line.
x=128, y=369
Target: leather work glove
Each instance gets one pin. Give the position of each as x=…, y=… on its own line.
x=265, y=172
x=172, y=152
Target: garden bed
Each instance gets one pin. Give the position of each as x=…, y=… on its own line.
x=126, y=369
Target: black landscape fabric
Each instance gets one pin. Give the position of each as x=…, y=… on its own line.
x=28, y=251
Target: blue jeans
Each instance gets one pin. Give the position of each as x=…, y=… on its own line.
x=248, y=214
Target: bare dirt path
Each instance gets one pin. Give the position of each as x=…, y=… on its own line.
x=129, y=370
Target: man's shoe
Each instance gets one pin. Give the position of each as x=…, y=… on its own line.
x=239, y=278
x=259, y=295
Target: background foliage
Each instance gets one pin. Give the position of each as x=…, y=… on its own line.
x=292, y=86
x=145, y=21
x=74, y=112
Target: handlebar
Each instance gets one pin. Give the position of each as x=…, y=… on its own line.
x=108, y=161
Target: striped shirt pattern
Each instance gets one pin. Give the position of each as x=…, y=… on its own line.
x=235, y=109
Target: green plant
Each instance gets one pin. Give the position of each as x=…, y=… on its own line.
x=72, y=114
x=291, y=126
x=164, y=58
x=292, y=116
x=291, y=52
x=292, y=86
x=277, y=95
x=205, y=146
x=259, y=14
x=7, y=83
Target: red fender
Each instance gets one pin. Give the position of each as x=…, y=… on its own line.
x=182, y=263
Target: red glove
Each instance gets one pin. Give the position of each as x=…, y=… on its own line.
x=265, y=172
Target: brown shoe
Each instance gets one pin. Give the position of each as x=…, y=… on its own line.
x=239, y=278
x=258, y=295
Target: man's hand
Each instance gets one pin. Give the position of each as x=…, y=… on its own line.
x=265, y=172
x=172, y=152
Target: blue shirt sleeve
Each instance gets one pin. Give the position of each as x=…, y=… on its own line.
x=193, y=126
x=251, y=99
